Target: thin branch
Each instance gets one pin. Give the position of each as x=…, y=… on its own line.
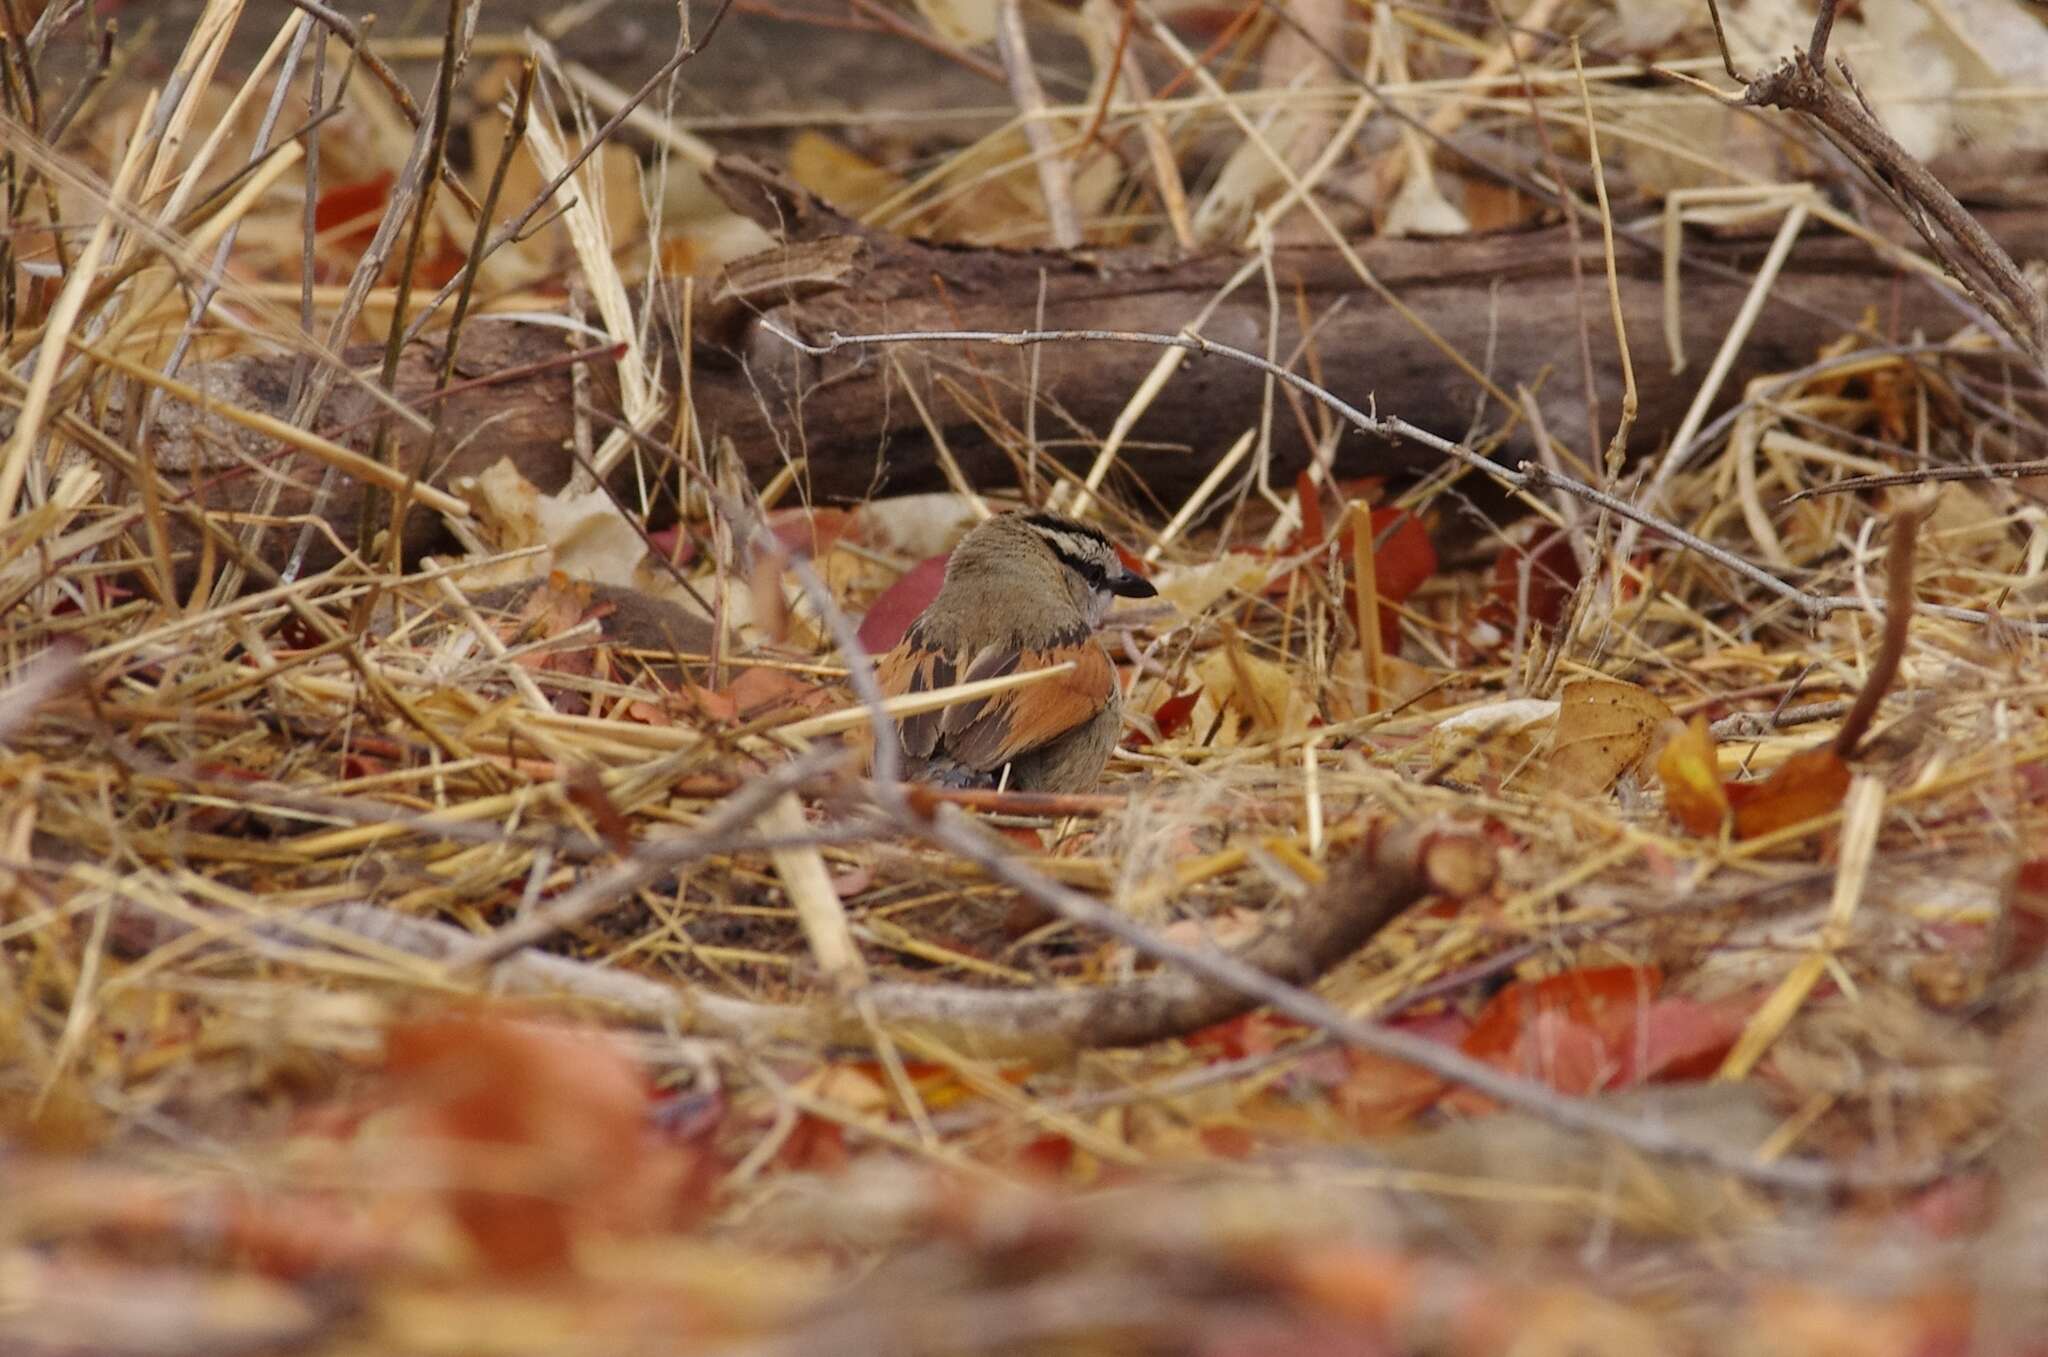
x=1525, y=479
x=648, y=861
x=511, y=230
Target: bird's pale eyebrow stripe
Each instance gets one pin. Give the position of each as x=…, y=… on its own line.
x=1094, y=571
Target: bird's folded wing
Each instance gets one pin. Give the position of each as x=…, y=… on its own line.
x=911, y=668
x=988, y=732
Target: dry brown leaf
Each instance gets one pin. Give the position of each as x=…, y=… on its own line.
x=1256, y=695
x=839, y=174
x=1604, y=728
x=1490, y=740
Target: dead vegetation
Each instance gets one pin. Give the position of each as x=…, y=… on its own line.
x=1569, y=883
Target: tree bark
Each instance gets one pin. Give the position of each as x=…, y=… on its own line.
x=1505, y=302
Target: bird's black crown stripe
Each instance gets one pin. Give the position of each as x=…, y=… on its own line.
x=1054, y=523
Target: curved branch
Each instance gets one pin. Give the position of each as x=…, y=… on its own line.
x=1363, y=894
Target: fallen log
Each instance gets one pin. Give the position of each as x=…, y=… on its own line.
x=1505, y=303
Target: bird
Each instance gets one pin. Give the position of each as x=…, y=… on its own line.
x=1022, y=591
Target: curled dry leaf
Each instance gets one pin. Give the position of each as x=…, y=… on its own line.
x=1804, y=787
x=840, y=175
x=1250, y=695
x=1809, y=784
x=1691, y=776
x=1193, y=588
x=1604, y=728
x=1490, y=740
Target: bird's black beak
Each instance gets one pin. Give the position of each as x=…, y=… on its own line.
x=1132, y=585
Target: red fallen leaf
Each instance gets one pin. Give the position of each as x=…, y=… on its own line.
x=674, y=544
x=809, y=532
x=758, y=689
x=585, y=790
x=707, y=704
x=2028, y=935
x=814, y=1145
x=1584, y=995
x=1376, y=1095
x=1602, y=1028
x=355, y=765
x=1227, y=1142
x=437, y=268
x=1556, y=1029
x=543, y=1133
x=1046, y=1156
x=1546, y=554
x=1400, y=564
x=361, y=201
x=1024, y=836
x=1313, y=531
x=1680, y=1039
x=1255, y=1033
x=1385, y=1095
x=1403, y=560
x=898, y=606
x=1809, y=784
x=1172, y=715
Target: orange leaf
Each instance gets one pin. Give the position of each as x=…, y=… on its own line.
x=1405, y=558
x=1313, y=529
x=1400, y=564
x=1172, y=714
x=1693, y=792
x=1253, y=1033
x=757, y=690
x=1568, y=1030
x=1227, y=1142
x=349, y=204
x=1377, y=1095
x=1552, y=568
x=1808, y=784
x=564, y=1117
x=1683, y=1038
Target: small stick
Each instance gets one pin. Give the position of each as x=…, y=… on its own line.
x=1527, y=477
x=1898, y=621
x=648, y=862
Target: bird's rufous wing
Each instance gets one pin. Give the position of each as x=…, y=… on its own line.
x=986, y=733
x=915, y=668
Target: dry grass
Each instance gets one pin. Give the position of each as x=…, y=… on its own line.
x=256, y=819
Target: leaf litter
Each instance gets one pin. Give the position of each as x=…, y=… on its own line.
x=464, y=981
